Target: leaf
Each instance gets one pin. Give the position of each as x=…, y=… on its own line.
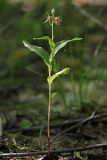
x=51, y=43
x=39, y=51
x=43, y=38
x=25, y=123
x=61, y=44
x=77, y=155
x=33, y=71
x=53, y=94
x=51, y=78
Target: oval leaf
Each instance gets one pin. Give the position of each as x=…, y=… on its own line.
x=54, y=76
x=39, y=51
x=61, y=44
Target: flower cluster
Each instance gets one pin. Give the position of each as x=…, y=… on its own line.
x=52, y=19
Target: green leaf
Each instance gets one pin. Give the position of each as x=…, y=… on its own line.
x=77, y=155
x=53, y=94
x=51, y=78
x=51, y=43
x=61, y=44
x=43, y=38
x=39, y=51
x=33, y=71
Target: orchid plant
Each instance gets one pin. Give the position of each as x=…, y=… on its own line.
x=48, y=58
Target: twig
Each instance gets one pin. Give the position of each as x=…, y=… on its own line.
x=92, y=117
x=2, y=29
x=91, y=17
x=67, y=151
x=96, y=118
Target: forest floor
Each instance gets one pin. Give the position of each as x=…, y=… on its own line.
x=74, y=136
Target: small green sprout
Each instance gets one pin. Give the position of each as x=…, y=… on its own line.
x=48, y=59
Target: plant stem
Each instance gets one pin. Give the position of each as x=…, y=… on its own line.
x=52, y=31
x=49, y=116
x=49, y=105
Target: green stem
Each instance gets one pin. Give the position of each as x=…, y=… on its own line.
x=49, y=105
x=49, y=116
x=52, y=30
